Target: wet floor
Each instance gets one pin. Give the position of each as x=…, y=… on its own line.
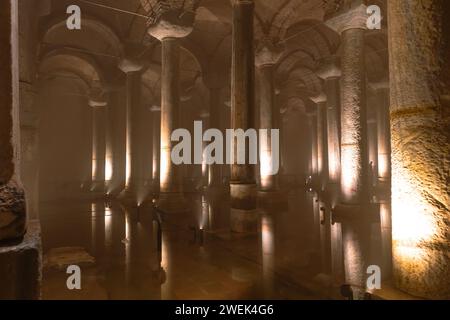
x=122, y=256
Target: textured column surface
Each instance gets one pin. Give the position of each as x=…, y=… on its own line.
x=243, y=187
x=12, y=196
x=419, y=34
x=353, y=208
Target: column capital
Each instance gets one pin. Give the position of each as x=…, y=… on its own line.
x=204, y=114
x=319, y=98
x=95, y=101
x=170, y=18
x=353, y=18
x=268, y=53
x=127, y=65
x=329, y=69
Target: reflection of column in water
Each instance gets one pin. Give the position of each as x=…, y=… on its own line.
x=268, y=252
x=93, y=228
x=166, y=287
x=204, y=219
x=337, y=262
x=108, y=227
x=386, y=239
x=98, y=228
x=318, y=234
x=127, y=242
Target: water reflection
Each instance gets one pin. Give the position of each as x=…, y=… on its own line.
x=143, y=254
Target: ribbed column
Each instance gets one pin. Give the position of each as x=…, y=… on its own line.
x=418, y=34
x=243, y=186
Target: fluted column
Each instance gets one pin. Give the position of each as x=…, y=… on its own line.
x=267, y=56
x=353, y=209
x=133, y=95
x=13, y=216
x=243, y=187
x=98, y=144
x=169, y=26
x=419, y=33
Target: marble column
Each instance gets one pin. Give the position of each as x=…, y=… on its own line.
x=418, y=35
x=132, y=69
x=243, y=188
x=168, y=28
x=156, y=145
x=98, y=144
x=353, y=209
x=267, y=56
x=13, y=215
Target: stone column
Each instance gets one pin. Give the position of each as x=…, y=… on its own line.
x=381, y=90
x=133, y=92
x=330, y=73
x=418, y=34
x=20, y=251
x=243, y=187
x=169, y=26
x=353, y=211
x=156, y=145
x=372, y=142
x=12, y=196
x=321, y=141
x=98, y=144
x=269, y=115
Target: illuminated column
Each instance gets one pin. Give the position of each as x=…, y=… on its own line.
x=98, y=144
x=321, y=141
x=156, y=145
x=133, y=95
x=372, y=141
x=353, y=209
x=313, y=151
x=266, y=57
x=13, y=216
x=418, y=35
x=215, y=182
x=383, y=131
x=330, y=73
x=169, y=27
x=243, y=187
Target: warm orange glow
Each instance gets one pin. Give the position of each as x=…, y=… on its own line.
x=165, y=161
x=349, y=171
x=383, y=165
x=108, y=168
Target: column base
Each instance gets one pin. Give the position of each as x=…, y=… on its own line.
x=172, y=203
x=13, y=216
x=21, y=266
x=128, y=197
x=243, y=212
